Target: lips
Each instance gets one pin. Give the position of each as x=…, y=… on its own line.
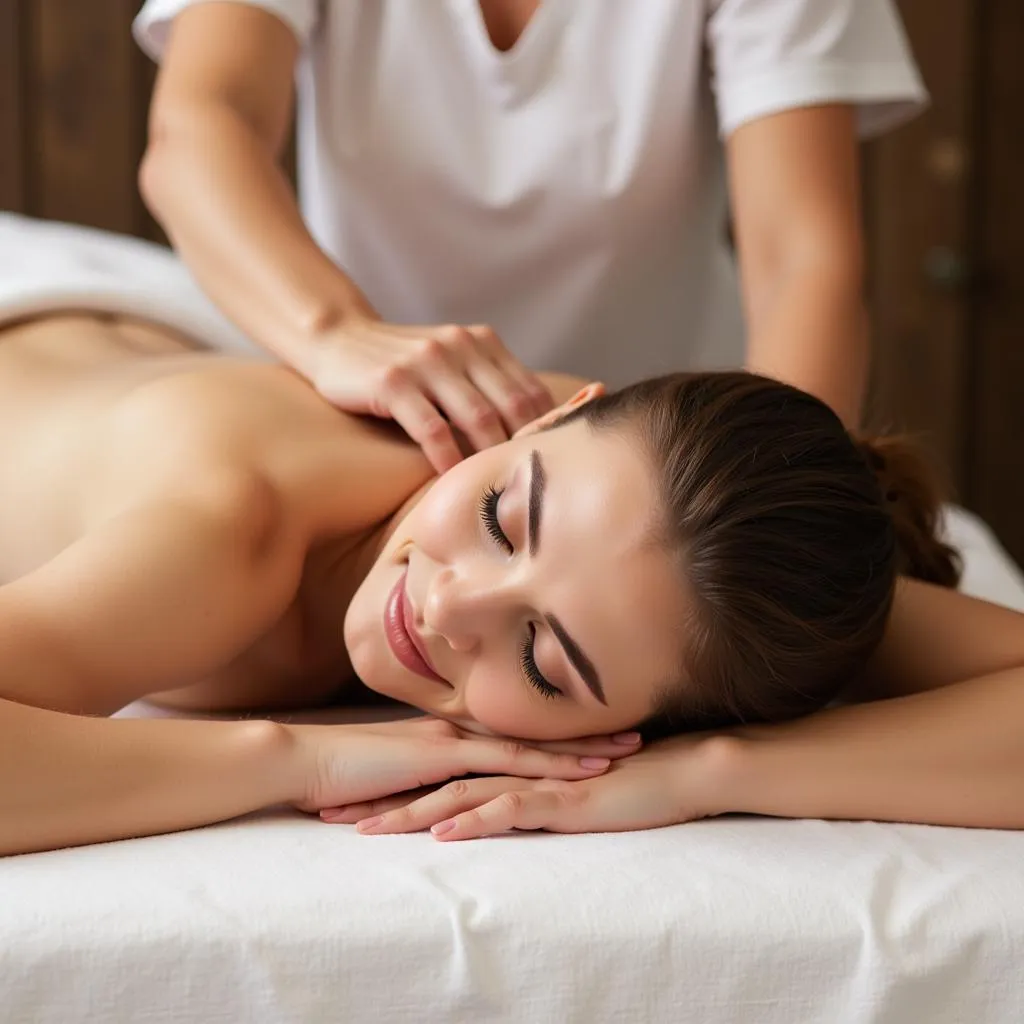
x=400, y=630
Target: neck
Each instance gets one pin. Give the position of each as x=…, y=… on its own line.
x=337, y=566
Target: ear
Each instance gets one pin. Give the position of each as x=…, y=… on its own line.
x=584, y=395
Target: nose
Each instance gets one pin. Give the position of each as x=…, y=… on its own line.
x=461, y=606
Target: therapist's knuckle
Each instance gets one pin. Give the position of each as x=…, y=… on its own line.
x=465, y=345
x=394, y=379
x=482, y=415
x=433, y=428
x=486, y=337
x=431, y=350
x=455, y=338
x=519, y=404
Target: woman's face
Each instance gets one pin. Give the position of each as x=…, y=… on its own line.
x=524, y=594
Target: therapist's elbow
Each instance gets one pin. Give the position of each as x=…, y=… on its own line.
x=179, y=133
x=160, y=161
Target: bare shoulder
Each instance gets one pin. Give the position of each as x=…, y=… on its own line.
x=259, y=429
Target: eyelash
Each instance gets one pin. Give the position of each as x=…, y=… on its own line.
x=533, y=675
x=530, y=669
x=489, y=514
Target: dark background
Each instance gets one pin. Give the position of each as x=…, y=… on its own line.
x=944, y=218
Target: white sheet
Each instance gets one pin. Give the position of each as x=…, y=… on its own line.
x=279, y=918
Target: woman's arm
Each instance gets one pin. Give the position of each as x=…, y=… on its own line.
x=66, y=780
x=794, y=184
x=948, y=750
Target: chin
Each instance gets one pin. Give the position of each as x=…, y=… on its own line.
x=366, y=646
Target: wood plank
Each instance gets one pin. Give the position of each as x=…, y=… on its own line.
x=917, y=216
x=12, y=114
x=85, y=141
x=997, y=466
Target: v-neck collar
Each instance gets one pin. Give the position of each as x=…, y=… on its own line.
x=519, y=71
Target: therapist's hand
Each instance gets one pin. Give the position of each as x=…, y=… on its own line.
x=672, y=781
x=429, y=380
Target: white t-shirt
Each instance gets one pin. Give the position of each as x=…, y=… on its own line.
x=571, y=191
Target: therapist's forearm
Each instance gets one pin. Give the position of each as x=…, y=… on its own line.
x=952, y=756
x=230, y=212
x=811, y=331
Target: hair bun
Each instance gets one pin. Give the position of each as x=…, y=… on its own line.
x=909, y=487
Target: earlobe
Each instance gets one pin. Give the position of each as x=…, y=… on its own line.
x=585, y=394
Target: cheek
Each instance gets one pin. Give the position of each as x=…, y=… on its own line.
x=500, y=702
x=447, y=514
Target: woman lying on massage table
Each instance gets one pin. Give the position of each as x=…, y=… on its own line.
x=688, y=554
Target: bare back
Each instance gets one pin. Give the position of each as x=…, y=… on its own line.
x=92, y=409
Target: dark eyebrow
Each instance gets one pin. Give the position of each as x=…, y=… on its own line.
x=582, y=664
x=538, y=481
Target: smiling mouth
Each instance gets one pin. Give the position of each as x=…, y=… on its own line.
x=400, y=631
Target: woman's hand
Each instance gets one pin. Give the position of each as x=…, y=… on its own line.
x=350, y=764
x=675, y=780
x=429, y=379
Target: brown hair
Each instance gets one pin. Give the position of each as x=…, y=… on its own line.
x=790, y=532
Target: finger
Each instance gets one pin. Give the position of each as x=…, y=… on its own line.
x=466, y=407
x=620, y=745
x=514, y=403
x=487, y=757
x=511, y=369
x=455, y=798
x=349, y=814
x=420, y=419
x=550, y=805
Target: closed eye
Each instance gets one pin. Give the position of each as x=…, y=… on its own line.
x=531, y=673
x=489, y=515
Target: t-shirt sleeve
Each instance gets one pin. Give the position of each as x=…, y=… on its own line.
x=152, y=24
x=773, y=55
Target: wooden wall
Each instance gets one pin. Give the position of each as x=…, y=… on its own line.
x=946, y=239
x=74, y=91
x=946, y=243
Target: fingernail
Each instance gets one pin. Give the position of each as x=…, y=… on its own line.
x=442, y=826
x=367, y=823
x=594, y=762
x=627, y=738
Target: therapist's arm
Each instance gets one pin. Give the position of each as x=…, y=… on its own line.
x=794, y=184
x=212, y=177
x=943, y=746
